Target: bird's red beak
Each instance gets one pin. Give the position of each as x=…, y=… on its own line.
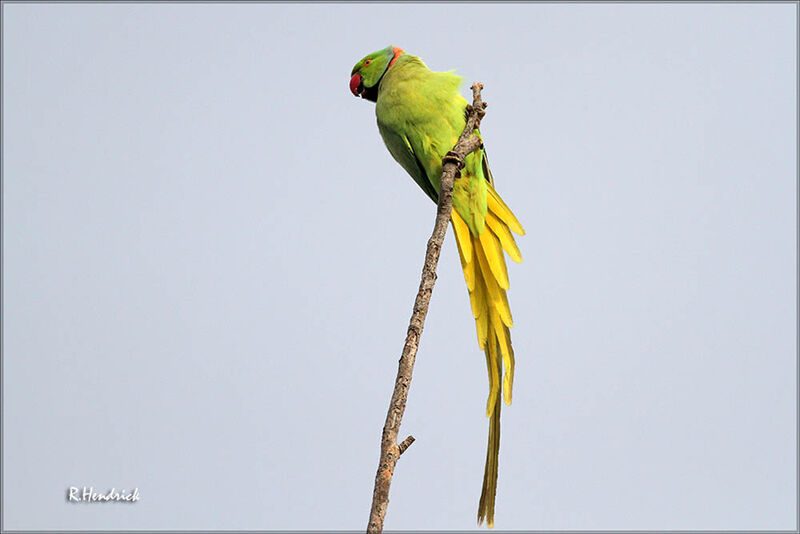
x=355, y=85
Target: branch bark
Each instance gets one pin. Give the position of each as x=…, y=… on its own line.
x=452, y=164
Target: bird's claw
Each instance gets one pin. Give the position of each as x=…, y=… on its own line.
x=452, y=157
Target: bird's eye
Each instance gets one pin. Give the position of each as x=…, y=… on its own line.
x=367, y=61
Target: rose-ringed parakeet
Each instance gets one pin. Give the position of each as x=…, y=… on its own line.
x=420, y=117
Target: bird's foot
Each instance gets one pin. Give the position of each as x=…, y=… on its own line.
x=452, y=157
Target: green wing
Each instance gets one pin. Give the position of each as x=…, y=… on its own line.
x=401, y=151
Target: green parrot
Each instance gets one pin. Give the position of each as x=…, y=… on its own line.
x=420, y=115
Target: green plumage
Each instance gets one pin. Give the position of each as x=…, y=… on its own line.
x=420, y=116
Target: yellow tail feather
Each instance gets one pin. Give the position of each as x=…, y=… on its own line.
x=464, y=243
x=497, y=295
x=489, y=489
x=503, y=212
x=494, y=366
x=485, y=272
x=493, y=253
x=505, y=237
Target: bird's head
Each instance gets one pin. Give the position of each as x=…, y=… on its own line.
x=367, y=74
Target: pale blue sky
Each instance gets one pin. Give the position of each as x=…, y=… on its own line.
x=210, y=260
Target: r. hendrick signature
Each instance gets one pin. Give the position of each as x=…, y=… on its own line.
x=75, y=494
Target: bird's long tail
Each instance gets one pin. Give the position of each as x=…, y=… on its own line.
x=487, y=280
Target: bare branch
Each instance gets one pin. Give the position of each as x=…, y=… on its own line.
x=452, y=164
x=406, y=444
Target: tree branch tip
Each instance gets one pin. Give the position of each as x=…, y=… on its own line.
x=406, y=444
